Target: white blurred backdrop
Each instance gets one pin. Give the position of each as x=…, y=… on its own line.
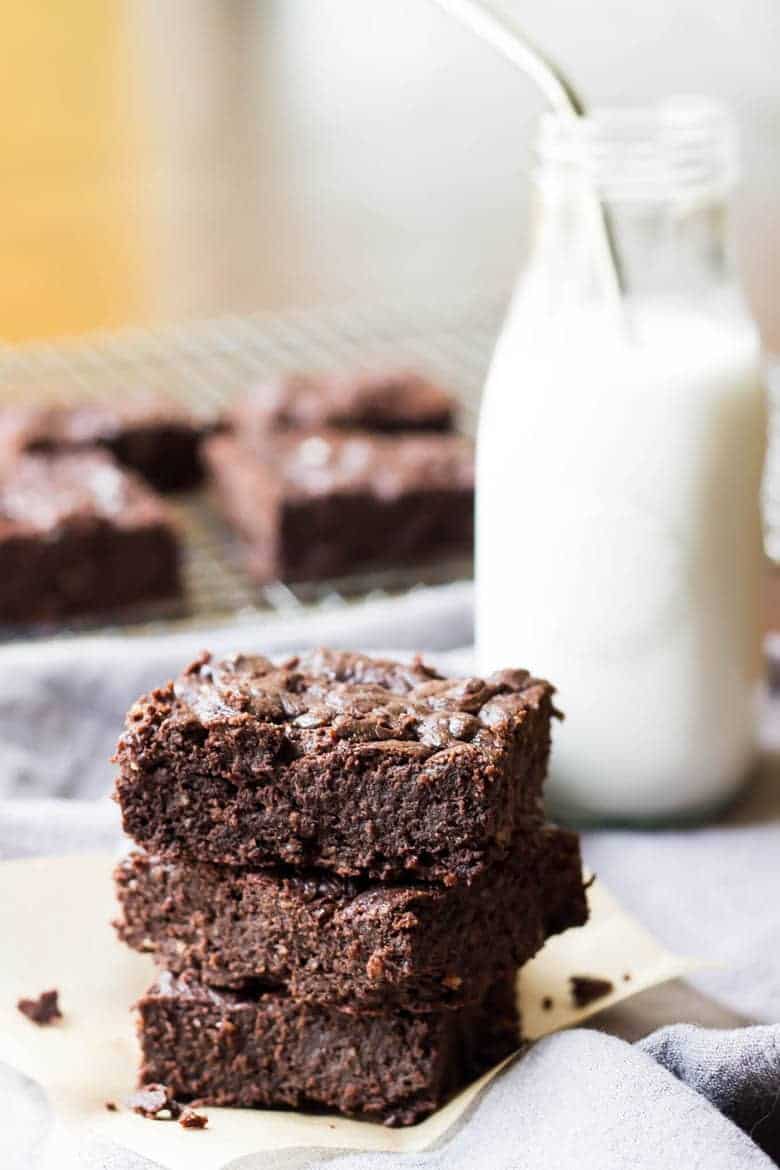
x=303, y=151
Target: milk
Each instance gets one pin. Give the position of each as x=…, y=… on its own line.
x=619, y=544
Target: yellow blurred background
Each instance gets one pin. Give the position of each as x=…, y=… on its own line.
x=70, y=228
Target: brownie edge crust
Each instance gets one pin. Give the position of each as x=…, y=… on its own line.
x=267, y=1050
x=361, y=766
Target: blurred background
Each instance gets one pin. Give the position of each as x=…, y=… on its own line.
x=168, y=161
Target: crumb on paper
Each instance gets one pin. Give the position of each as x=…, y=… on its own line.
x=43, y=1010
x=586, y=989
x=112, y=1107
x=548, y=1003
x=155, y=1102
x=627, y=977
x=192, y=1120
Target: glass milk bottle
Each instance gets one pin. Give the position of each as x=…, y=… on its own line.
x=619, y=461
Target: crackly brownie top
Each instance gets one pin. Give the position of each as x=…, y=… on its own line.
x=371, y=399
x=325, y=462
x=320, y=699
x=39, y=427
x=43, y=492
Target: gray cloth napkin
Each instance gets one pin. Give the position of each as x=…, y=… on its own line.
x=712, y=893
x=588, y=1101
x=683, y=1097
x=579, y=1100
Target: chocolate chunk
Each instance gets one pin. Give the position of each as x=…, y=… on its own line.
x=43, y=1010
x=585, y=989
x=548, y=1003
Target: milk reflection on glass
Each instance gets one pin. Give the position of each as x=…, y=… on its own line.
x=619, y=461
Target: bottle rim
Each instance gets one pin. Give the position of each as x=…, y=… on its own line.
x=684, y=148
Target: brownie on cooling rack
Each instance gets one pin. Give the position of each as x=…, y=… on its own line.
x=264, y=1048
x=360, y=766
x=314, y=505
x=147, y=433
x=79, y=535
x=363, y=947
x=370, y=399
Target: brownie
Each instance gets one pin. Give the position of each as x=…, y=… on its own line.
x=327, y=504
x=264, y=1049
x=371, y=399
x=80, y=535
x=147, y=433
x=336, y=760
x=332, y=940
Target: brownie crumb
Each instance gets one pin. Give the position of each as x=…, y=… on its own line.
x=43, y=1010
x=585, y=989
x=627, y=977
x=548, y=1003
x=154, y=1101
x=192, y=1120
x=111, y=1106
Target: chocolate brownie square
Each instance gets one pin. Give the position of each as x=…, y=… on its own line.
x=80, y=535
x=327, y=504
x=148, y=433
x=361, y=766
x=369, y=399
x=266, y=1050
x=362, y=947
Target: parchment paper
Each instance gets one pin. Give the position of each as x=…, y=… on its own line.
x=55, y=932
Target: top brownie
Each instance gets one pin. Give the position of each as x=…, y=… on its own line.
x=149, y=433
x=358, y=765
x=390, y=400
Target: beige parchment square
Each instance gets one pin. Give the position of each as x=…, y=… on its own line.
x=55, y=932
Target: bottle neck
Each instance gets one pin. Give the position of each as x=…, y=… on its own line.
x=666, y=248
x=664, y=177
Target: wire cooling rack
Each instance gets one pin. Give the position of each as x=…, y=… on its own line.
x=204, y=364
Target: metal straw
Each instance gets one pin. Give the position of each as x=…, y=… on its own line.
x=503, y=34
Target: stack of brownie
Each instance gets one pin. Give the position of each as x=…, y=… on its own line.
x=343, y=863
x=323, y=476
